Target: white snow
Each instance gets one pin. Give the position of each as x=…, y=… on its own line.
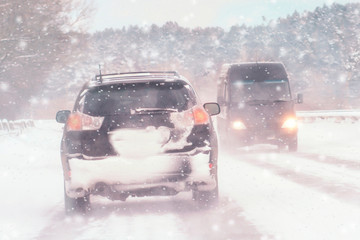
x=264, y=194
x=114, y=170
x=30, y=177
x=288, y=210
x=150, y=139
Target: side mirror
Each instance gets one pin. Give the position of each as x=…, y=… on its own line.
x=212, y=108
x=62, y=116
x=299, y=98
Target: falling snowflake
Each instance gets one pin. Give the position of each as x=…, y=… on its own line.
x=33, y=101
x=19, y=20
x=22, y=44
x=4, y=87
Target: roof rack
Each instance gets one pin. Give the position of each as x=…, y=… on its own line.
x=135, y=76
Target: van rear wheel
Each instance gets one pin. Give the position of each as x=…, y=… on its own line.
x=293, y=145
x=290, y=145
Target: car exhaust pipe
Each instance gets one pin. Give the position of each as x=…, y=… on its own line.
x=101, y=189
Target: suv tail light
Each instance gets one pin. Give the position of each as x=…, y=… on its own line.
x=197, y=116
x=200, y=116
x=194, y=116
x=79, y=122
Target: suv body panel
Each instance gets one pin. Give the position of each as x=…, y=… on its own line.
x=139, y=148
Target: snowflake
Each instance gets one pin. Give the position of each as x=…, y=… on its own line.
x=342, y=78
x=215, y=227
x=44, y=101
x=22, y=44
x=19, y=20
x=74, y=40
x=283, y=52
x=209, y=64
x=4, y=87
x=33, y=100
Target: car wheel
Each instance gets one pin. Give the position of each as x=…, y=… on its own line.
x=293, y=145
x=207, y=199
x=281, y=146
x=76, y=205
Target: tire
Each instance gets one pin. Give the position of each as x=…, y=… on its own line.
x=76, y=205
x=293, y=145
x=206, y=199
x=290, y=145
x=281, y=146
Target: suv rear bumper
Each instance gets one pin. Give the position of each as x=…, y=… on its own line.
x=116, y=177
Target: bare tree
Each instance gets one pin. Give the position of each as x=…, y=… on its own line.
x=35, y=36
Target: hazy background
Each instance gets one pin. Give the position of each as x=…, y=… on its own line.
x=197, y=13
x=49, y=49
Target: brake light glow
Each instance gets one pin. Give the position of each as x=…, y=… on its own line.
x=194, y=116
x=80, y=122
x=200, y=116
x=74, y=122
x=238, y=125
x=290, y=123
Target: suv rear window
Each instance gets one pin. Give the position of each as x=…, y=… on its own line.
x=121, y=98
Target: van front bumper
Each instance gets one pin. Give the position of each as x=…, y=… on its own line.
x=266, y=136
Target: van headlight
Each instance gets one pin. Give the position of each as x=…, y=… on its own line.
x=290, y=123
x=238, y=125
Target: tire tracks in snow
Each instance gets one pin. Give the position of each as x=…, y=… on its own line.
x=343, y=191
x=169, y=218
x=349, y=164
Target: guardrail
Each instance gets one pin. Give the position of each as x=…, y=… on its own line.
x=15, y=127
x=337, y=115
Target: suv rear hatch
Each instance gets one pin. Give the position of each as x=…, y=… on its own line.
x=134, y=119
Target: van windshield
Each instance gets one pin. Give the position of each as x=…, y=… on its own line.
x=258, y=72
x=250, y=90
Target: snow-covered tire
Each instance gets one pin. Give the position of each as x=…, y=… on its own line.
x=290, y=145
x=281, y=147
x=76, y=205
x=293, y=145
x=206, y=199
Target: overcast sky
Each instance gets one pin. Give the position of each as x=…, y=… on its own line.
x=197, y=13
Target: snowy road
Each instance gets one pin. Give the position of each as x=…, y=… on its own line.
x=264, y=194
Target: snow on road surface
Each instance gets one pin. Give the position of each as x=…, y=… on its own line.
x=264, y=193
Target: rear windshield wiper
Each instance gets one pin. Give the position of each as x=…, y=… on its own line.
x=152, y=110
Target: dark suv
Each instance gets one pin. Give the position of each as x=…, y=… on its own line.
x=138, y=134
